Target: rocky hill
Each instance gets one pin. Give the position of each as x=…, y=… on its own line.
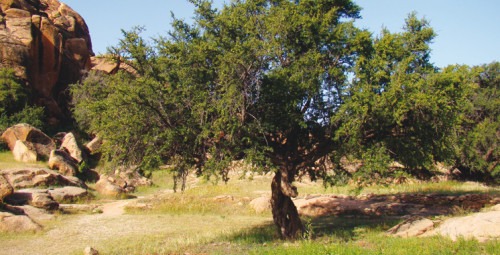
x=48, y=45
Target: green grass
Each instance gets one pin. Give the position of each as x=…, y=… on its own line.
x=7, y=161
x=194, y=222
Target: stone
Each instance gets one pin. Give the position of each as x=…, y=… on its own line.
x=90, y=251
x=23, y=153
x=17, y=223
x=62, y=161
x=48, y=45
x=5, y=188
x=106, y=187
x=70, y=193
x=29, y=177
x=32, y=137
x=70, y=145
x=94, y=145
x=224, y=198
x=261, y=204
x=39, y=198
x=412, y=227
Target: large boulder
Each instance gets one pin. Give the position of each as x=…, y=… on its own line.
x=261, y=204
x=62, y=161
x=130, y=177
x=17, y=223
x=70, y=145
x=23, y=152
x=48, y=45
x=32, y=138
x=22, y=178
x=5, y=188
x=107, y=187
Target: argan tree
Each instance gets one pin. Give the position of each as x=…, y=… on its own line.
x=258, y=80
x=271, y=75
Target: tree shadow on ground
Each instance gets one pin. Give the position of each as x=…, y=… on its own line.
x=342, y=228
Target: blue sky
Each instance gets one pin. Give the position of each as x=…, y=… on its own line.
x=468, y=31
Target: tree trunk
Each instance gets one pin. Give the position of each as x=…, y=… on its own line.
x=285, y=214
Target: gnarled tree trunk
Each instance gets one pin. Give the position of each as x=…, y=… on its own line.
x=285, y=214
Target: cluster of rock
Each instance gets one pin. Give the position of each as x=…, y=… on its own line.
x=29, y=144
x=23, y=191
x=25, y=198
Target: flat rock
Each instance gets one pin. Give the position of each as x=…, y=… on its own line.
x=36, y=214
x=483, y=226
x=69, y=193
x=17, y=223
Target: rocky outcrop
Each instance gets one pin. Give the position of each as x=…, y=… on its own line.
x=33, y=141
x=22, y=178
x=390, y=205
x=48, y=45
x=62, y=161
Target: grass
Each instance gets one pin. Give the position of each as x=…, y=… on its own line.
x=7, y=161
x=216, y=219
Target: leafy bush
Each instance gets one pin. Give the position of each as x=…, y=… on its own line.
x=15, y=102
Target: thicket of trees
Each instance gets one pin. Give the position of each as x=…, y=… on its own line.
x=285, y=85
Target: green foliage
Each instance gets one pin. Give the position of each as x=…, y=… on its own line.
x=401, y=106
x=283, y=83
x=480, y=146
x=15, y=104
